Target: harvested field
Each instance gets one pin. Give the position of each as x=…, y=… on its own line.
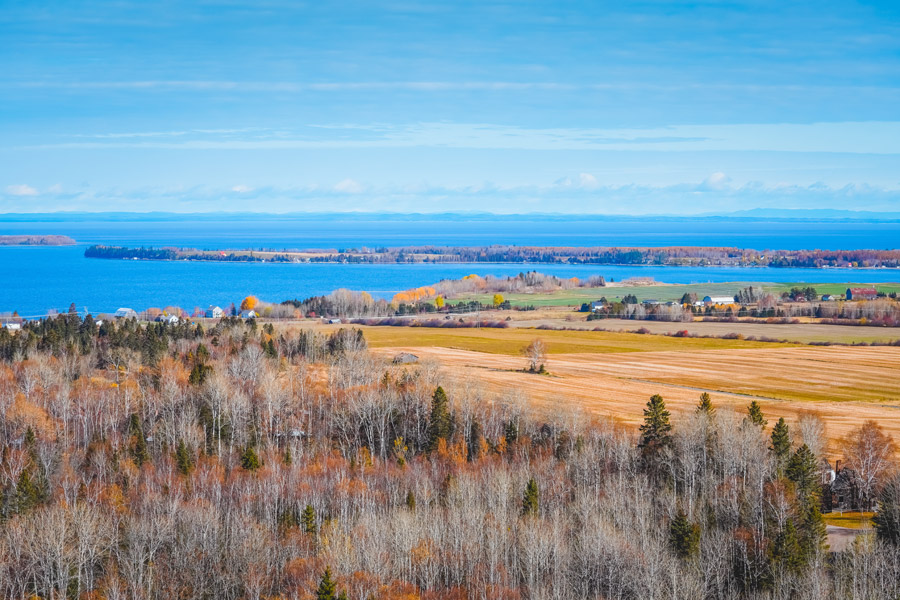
x=616, y=376
x=511, y=341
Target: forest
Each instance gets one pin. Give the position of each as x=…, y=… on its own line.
x=246, y=461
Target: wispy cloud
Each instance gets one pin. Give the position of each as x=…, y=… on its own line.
x=844, y=137
x=21, y=189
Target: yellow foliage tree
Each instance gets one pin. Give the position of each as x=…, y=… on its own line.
x=249, y=303
x=439, y=302
x=498, y=299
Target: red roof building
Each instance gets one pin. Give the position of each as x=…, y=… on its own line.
x=861, y=293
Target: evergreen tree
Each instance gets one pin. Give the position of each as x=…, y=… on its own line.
x=138, y=441
x=656, y=430
x=342, y=595
x=684, y=536
x=29, y=493
x=410, y=500
x=308, y=518
x=813, y=539
x=183, y=459
x=288, y=457
x=781, y=442
x=511, y=432
x=440, y=422
x=785, y=552
x=802, y=470
x=755, y=414
x=326, y=587
x=199, y=373
x=887, y=519
x=531, y=498
x=705, y=407
x=249, y=459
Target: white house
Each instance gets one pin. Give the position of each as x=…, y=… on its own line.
x=248, y=314
x=214, y=312
x=12, y=326
x=597, y=305
x=126, y=313
x=718, y=300
x=170, y=319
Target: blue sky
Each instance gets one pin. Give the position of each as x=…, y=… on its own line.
x=509, y=107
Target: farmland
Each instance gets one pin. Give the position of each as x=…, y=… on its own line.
x=663, y=292
x=612, y=374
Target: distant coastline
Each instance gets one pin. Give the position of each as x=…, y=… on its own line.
x=36, y=240
x=687, y=256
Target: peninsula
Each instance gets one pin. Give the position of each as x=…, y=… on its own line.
x=669, y=256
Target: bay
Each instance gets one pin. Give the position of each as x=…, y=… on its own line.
x=37, y=279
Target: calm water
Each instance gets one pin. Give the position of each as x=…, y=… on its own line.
x=37, y=279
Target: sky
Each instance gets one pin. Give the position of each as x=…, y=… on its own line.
x=509, y=107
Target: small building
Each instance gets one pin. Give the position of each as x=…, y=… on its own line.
x=170, y=319
x=861, y=293
x=405, y=358
x=214, y=312
x=718, y=300
x=829, y=298
x=248, y=314
x=597, y=305
x=650, y=302
x=13, y=326
x=126, y=313
x=334, y=321
x=841, y=491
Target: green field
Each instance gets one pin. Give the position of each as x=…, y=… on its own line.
x=663, y=293
x=512, y=341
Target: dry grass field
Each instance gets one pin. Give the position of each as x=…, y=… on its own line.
x=613, y=374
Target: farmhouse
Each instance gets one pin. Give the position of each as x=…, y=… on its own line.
x=214, y=312
x=861, y=293
x=248, y=314
x=12, y=326
x=718, y=300
x=597, y=305
x=840, y=489
x=126, y=313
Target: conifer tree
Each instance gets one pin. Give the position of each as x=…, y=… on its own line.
x=511, y=432
x=531, y=498
x=343, y=595
x=139, y=442
x=813, y=539
x=705, y=406
x=781, y=442
x=656, y=430
x=183, y=459
x=755, y=414
x=887, y=519
x=440, y=422
x=684, y=536
x=410, y=500
x=786, y=552
x=29, y=493
x=308, y=518
x=249, y=459
x=288, y=457
x=802, y=470
x=326, y=587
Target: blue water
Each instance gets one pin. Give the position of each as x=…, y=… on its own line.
x=36, y=279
